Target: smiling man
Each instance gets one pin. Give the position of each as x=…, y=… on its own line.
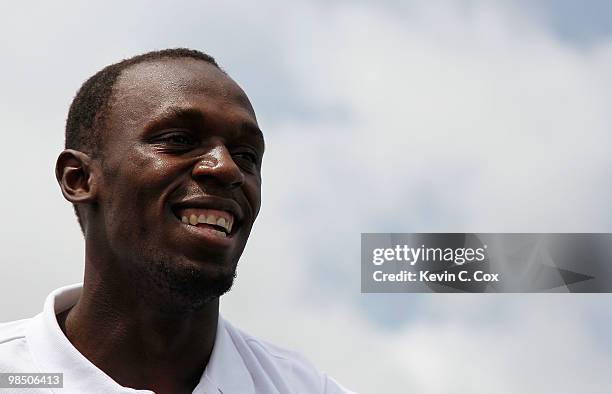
x=163, y=166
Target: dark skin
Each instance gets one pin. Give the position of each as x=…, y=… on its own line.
x=177, y=131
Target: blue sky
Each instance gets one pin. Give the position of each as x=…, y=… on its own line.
x=379, y=116
x=582, y=23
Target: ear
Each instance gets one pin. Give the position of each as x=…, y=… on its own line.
x=73, y=172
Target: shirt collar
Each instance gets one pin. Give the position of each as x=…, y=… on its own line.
x=225, y=373
x=226, y=369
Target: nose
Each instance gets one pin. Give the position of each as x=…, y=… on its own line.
x=218, y=165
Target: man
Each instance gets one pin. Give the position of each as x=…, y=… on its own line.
x=162, y=164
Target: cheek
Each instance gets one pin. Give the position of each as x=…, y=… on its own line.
x=147, y=170
x=142, y=172
x=252, y=191
x=135, y=187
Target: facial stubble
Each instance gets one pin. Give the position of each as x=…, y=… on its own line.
x=176, y=286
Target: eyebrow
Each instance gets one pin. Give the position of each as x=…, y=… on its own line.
x=192, y=115
x=195, y=117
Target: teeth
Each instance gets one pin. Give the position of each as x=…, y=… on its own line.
x=220, y=233
x=227, y=224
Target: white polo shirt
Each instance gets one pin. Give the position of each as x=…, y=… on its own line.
x=238, y=364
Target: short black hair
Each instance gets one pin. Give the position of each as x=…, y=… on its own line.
x=89, y=108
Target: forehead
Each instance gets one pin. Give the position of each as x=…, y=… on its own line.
x=146, y=89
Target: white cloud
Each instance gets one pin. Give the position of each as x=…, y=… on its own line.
x=487, y=117
x=538, y=349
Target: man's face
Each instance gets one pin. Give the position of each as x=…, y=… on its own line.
x=181, y=180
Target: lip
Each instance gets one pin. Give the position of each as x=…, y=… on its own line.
x=211, y=202
x=206, y=234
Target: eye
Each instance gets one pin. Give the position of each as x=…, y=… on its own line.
x=178, y=139
x=247, y=160
x=246, y=156
x=175, y=140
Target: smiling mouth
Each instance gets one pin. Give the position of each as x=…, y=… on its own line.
x=219, y=222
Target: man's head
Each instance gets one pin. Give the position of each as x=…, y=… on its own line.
x=162, y=162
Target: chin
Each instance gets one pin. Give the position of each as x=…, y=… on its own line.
x=181, y=286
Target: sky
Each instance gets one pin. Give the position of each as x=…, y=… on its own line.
x=387, y=116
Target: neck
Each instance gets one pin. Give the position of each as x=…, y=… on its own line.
x=134, y=342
